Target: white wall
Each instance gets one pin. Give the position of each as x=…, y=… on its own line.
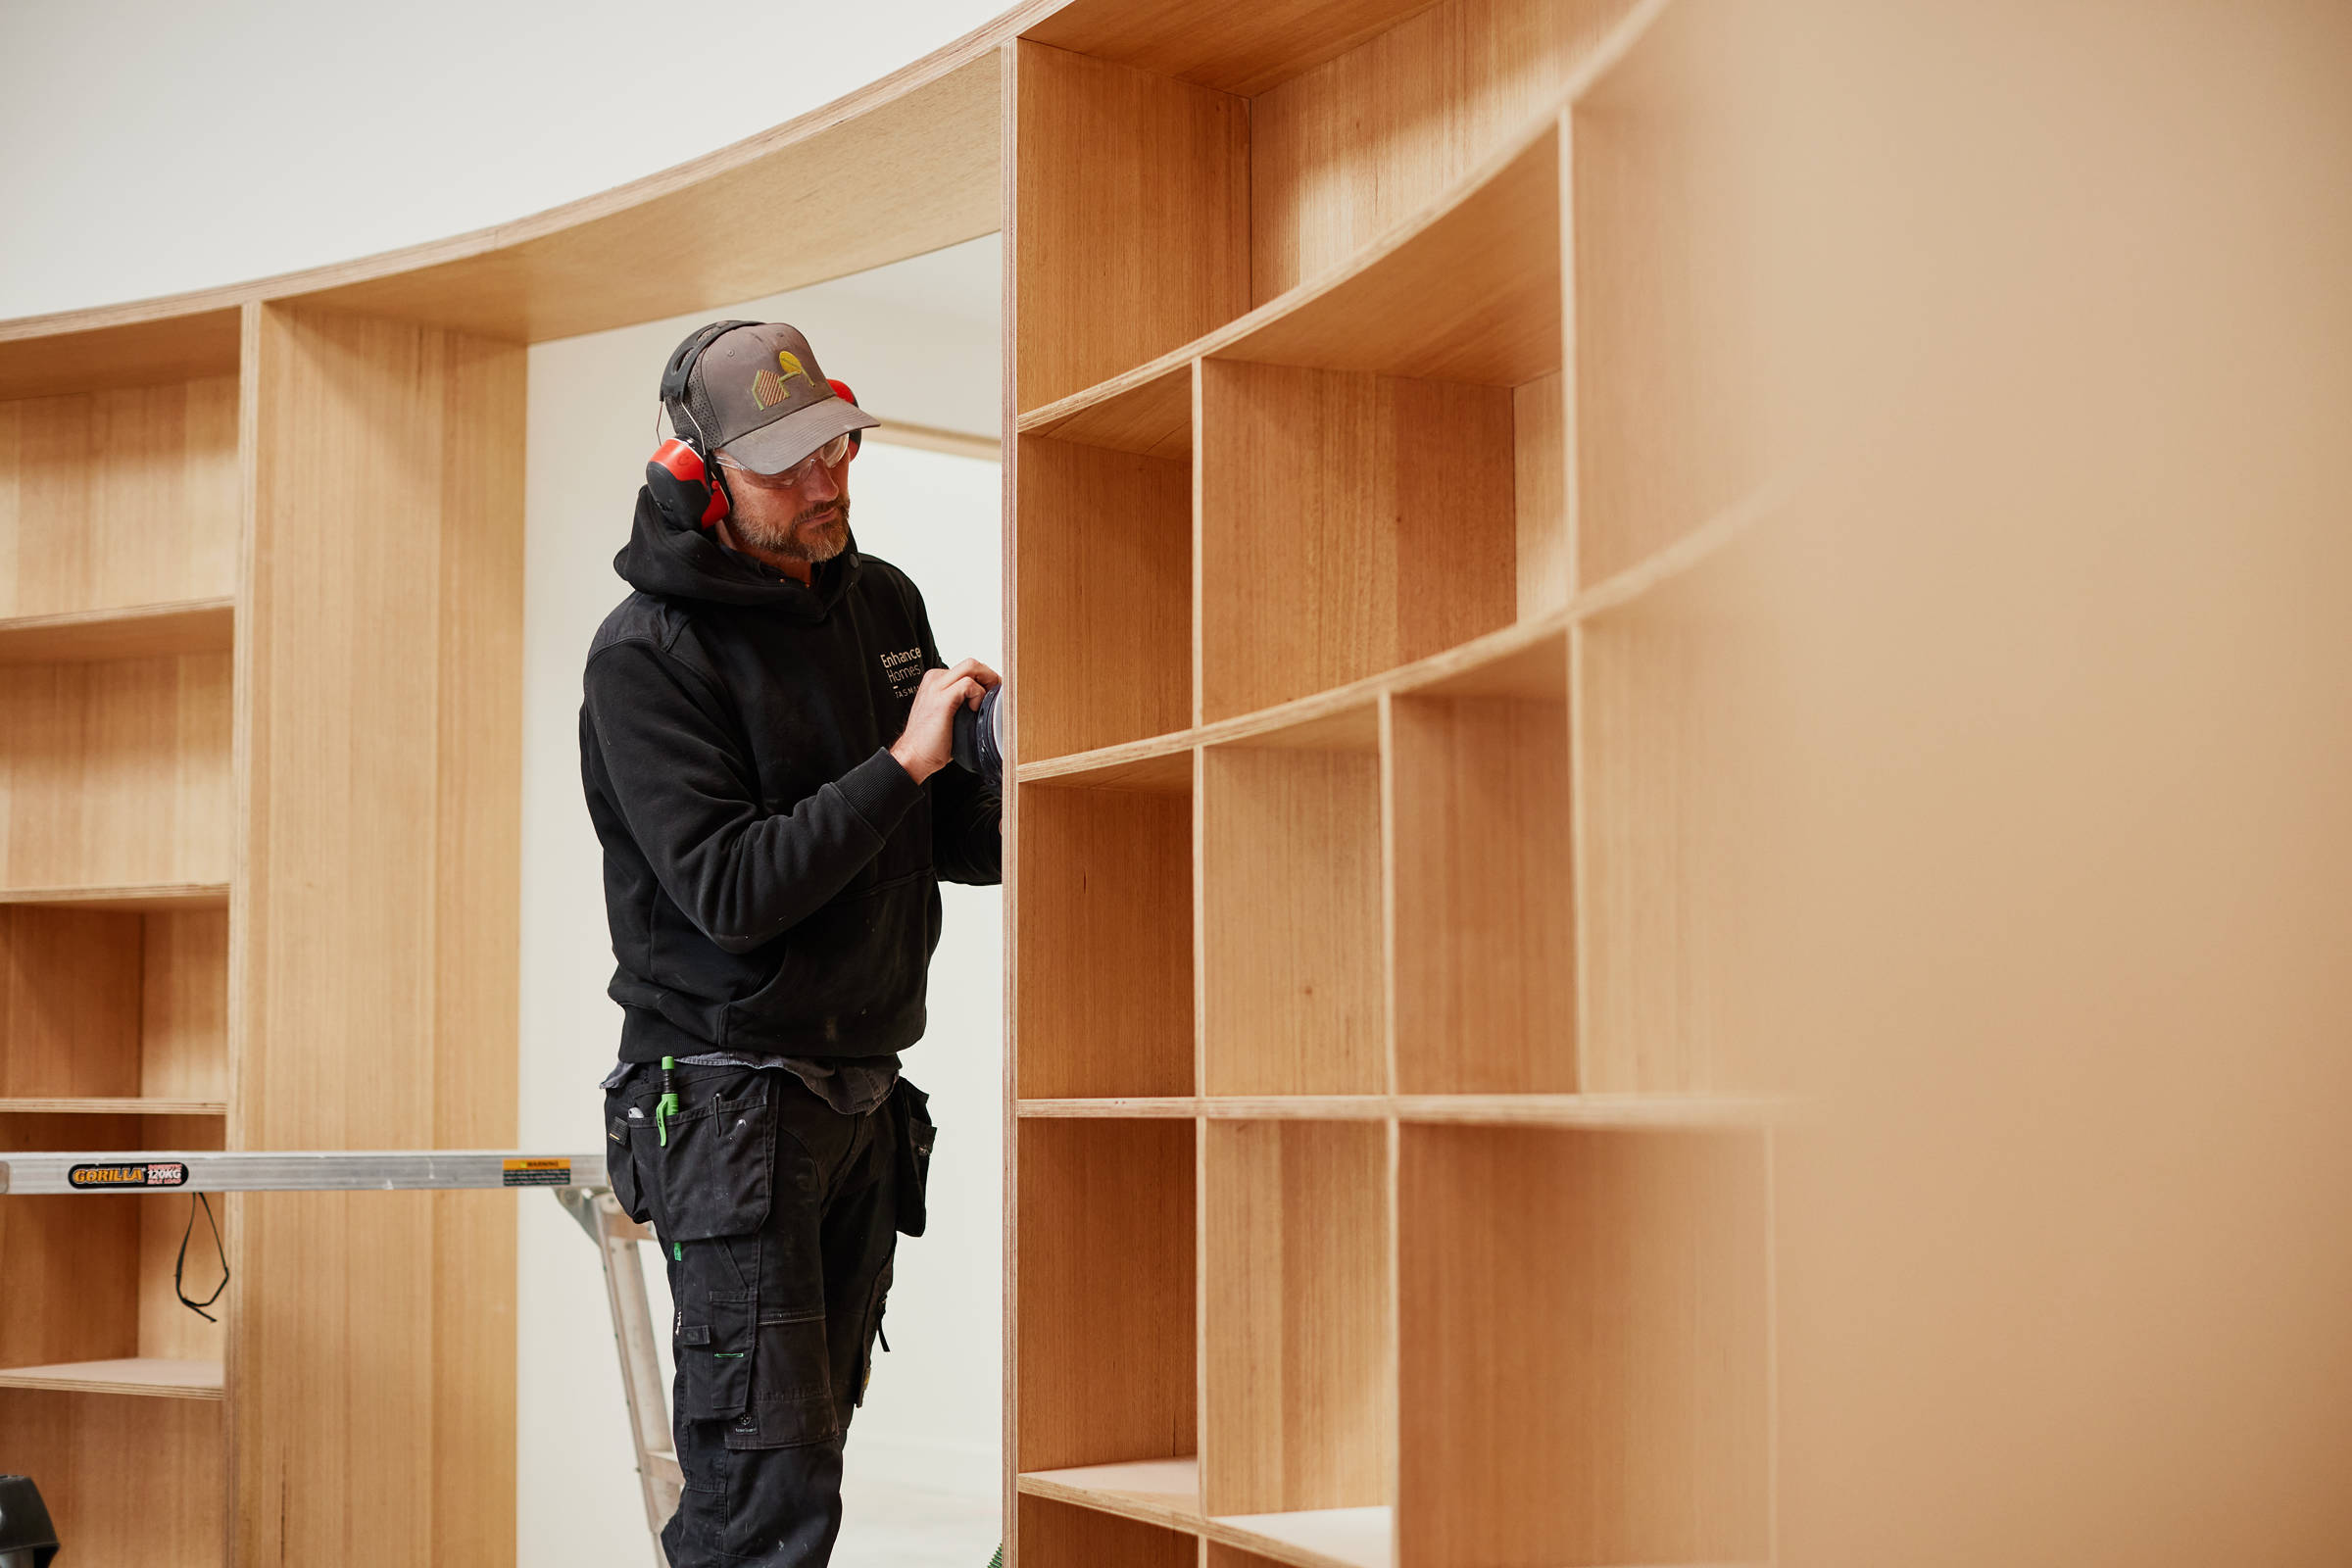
x=153, y=146
x=919, y=342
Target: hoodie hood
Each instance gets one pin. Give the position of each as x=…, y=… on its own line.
x=677, y=562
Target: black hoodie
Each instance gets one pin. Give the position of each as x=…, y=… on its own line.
x=771, y=873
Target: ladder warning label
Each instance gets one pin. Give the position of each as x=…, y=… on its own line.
x=537, y=1173
x=157, y=1173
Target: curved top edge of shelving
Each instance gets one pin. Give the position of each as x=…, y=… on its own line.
x=571, y=218
x=1541, y=123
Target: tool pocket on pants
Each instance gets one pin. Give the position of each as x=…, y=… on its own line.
x=620, y=1167
x=718, y=1161
x=792, y=1388
x=916, y=1138
x=714, y=1357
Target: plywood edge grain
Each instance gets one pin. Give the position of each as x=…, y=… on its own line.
x=146, y=897
x=112, y=1107
x=142, y=1377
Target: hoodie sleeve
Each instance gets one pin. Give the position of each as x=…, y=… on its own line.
x=742, y=875
x=966, y=842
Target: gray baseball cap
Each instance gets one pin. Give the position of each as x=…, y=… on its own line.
x=758, y=392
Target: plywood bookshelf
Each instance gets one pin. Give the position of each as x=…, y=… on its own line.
x=201, y=946
x=1384, y=1193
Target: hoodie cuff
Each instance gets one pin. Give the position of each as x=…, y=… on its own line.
x=879, y=790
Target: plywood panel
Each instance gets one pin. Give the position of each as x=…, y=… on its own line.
x=1469, y=292
x=118, y=498
x=1103, y=1296
x=1348, y=524
x=117, y=773
x=183, y=1005
x=1669, y=737
x=1357, y=145
x=1674, y=401
x=1295, y=1365
x=148, y=631
x=69, y=982
x=129, y=1483
x=1105, y=564
x=1540, y=493
x=69, y=1265
x=167, y=1327
x=1104, y=1005
x=1484, y=910
x=1236, y=49
x=1133, y=215
x=378, y=951
x=1291, y=929
x=146, y=344
x=1596, y=1395
x=1061, y=1535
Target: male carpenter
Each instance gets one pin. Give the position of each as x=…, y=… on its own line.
x=764, y=742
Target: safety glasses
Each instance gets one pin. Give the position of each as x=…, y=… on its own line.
x=830, y=454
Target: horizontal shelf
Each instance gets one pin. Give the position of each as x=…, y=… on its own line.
x=1314, y=1537
x=1167, y=1493
x=1158, y=765
x=138, y=631
x=1488, y=666
x=162, y=897
x=124, y=1106
x=1474, y=243
x=144, y=1377
x=1491, y=1111
x=1157, y=1492
x=144, y=348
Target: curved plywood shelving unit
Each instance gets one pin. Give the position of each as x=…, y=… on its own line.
x=1346, y=607
x=1383, y=774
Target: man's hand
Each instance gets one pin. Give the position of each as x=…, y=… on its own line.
x=929, y=741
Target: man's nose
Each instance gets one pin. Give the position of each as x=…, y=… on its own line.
x=821, y=486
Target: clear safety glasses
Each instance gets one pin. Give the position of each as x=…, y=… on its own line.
x=830, y=454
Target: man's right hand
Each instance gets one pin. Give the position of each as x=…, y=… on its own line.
x=928, y=742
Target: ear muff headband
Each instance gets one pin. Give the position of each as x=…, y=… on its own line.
x=684, y=470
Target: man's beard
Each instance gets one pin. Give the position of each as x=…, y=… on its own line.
x=785, y=539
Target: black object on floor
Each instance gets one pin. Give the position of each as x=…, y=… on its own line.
x=28, y=1539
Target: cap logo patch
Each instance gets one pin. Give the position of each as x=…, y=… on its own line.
x=767, y=387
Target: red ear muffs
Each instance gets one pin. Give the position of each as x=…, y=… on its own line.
x=681, y=484
x=841, y=390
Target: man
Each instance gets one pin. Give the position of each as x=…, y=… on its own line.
x=766, y=741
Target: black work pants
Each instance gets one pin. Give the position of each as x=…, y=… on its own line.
x=777, y=1220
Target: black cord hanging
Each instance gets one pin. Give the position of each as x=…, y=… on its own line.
x=181, y=1262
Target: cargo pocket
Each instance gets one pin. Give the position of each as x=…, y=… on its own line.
x=916, y=1138
x=714, y=1356
x=792, y=1388
x=717, y=1166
